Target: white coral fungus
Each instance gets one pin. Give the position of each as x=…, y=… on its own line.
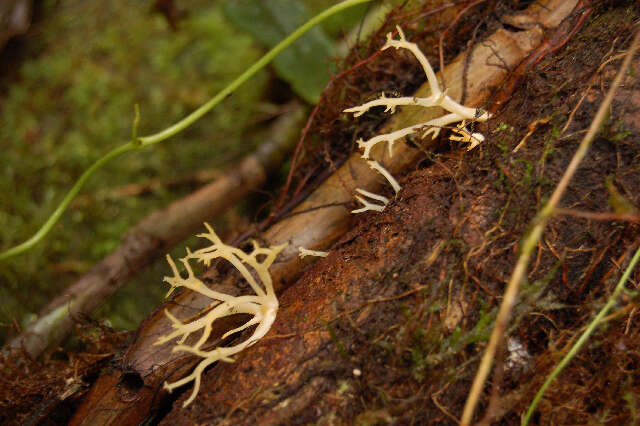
x=369, y=205
x=374, y=165
x=263, y=305
x=303, y=252
x=439, y=98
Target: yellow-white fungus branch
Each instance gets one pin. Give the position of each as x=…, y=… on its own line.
x=437, y=98
x=368, y=205
x=303, y=252
x=373, y=164
x=474, y=139
x=262, y=306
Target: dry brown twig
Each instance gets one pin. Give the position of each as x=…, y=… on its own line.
x=598, y=215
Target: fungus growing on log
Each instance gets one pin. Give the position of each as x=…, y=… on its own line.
x=438, y=98
x=262, y=306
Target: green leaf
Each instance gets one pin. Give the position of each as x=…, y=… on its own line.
x=306, y=64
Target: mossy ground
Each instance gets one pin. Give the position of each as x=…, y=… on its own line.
x=68, y=98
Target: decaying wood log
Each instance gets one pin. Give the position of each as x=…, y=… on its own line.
x=129, y=392
x=303, y=360
x=155, y=235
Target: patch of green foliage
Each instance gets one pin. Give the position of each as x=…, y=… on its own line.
x=72, y=100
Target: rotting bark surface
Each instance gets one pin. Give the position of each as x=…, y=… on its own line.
x=390, y=326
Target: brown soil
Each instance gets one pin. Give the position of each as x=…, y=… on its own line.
x=390, y=327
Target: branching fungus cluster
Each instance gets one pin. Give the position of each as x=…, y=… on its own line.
x=262, y=306
x=438, y=98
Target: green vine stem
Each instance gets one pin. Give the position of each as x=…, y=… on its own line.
x=613, y=299
x=144, y=141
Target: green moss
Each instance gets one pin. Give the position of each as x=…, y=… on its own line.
x=525, y=181
x=72, y=101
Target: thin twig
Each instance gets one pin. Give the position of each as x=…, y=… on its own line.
x=531, y=128
x=531, y=241
x=598, y=215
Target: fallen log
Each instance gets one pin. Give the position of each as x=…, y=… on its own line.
x=132, y=390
